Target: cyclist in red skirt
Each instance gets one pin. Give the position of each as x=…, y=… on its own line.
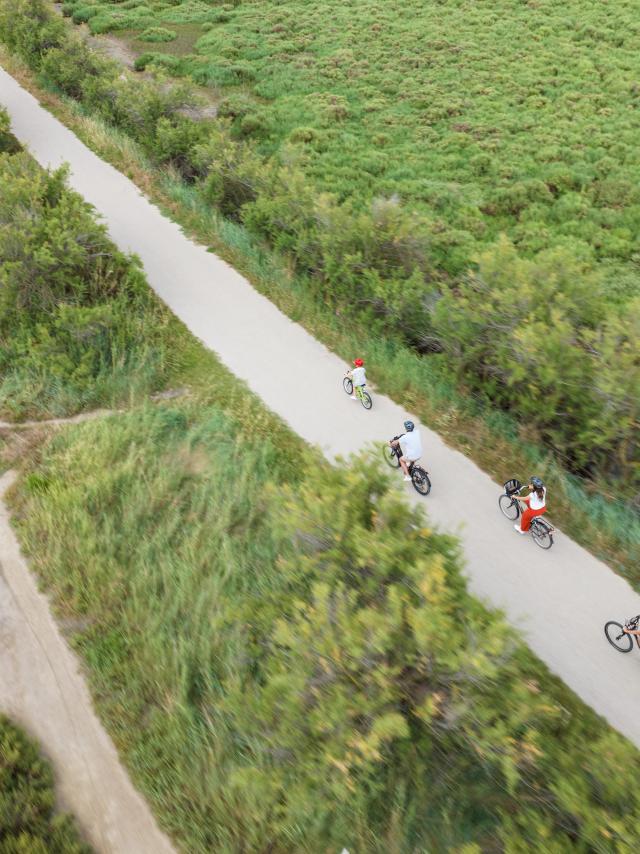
x=536, y=503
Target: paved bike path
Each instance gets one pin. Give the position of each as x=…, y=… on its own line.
x=559, y=599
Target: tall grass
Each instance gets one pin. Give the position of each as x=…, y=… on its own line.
x=243, y=626
x=163, y=510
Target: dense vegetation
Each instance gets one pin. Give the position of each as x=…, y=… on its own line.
x=28, y=823
x=386, y=149
x=285, y=653
x=78, y=324
x=312, y=672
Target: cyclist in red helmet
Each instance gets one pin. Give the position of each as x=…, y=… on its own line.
x=358, y=376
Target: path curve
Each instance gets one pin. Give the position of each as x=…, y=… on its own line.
x=42, y=688
x=559, y=599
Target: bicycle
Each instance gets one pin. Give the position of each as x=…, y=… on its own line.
x=511, y=507
x=419, y=476
x=363, y=396
x=618, y=638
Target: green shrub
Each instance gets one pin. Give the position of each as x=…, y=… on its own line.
x=28, y=822
x=81, y=14
x=72, y=65
x=143, y=60
x=157, y=34
x=78, y=326
x=8, y=142
x=29, y=29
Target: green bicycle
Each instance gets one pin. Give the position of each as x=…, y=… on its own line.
x=363, y=396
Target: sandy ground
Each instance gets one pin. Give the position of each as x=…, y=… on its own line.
x=41, y=688
x=558, y=599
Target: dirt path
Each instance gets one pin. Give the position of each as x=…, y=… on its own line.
x=41, y=687
x=56, y=422
x=559, y=599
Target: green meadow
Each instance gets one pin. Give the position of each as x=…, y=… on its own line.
x=509, y=117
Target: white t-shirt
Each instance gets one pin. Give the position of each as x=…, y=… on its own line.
x=536, y=503
x=411, y=445
x=358, y=376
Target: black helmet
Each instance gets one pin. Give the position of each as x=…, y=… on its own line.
x=536, y=482
x=408, y=426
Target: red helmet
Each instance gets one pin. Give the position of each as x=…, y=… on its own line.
x=358, y=363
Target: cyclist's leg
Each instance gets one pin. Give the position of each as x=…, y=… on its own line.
x=525, y=519
x=532, y=514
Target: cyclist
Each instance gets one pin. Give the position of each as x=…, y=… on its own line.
x=411, y=447
x=536, y=503
x=358, y=376
x=631, y=631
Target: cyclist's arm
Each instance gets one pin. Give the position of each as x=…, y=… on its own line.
x=632, y=631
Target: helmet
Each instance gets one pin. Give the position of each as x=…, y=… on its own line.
x=408, y=426
x=358, y=363
x=536, y=482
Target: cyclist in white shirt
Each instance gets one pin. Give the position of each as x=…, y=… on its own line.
x=536, y=503
x=358, y=376
x=411, y=447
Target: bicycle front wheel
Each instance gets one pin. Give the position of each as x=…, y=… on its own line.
x=510, y=508
x=365, y=400
x=617, y=637
x=420, y=480
x=541, y=535
x=347, y=385
x=390, y=456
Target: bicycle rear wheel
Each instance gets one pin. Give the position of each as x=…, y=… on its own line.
x=390, y=456
x=365, y=400
x=617, y=637
x=420, y=480
x=510, y=508
x=347, y=385
x=541, y=535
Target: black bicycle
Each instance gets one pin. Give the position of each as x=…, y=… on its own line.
x=617, y=637
x=419, y=476
x=511, y=507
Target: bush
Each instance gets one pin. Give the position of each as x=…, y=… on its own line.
x=27, y=819
x=78, y=326
x=157, y=34
x=70, y=67
x=8, y=142
x=81, y=14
